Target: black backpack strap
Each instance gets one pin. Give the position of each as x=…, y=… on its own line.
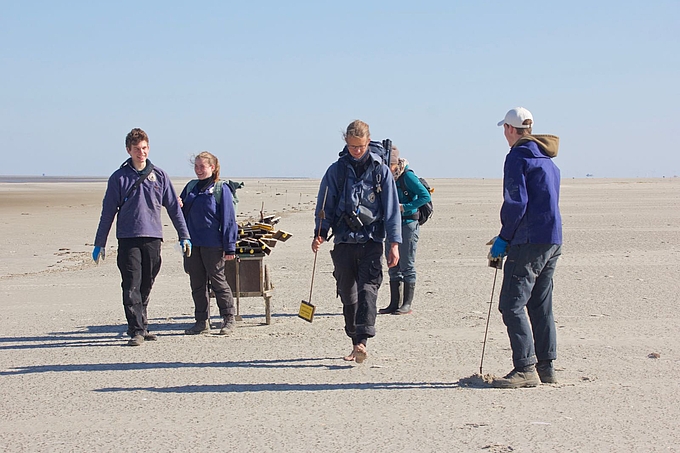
x=137, y=183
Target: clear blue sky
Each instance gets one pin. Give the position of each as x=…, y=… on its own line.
x=269, y=86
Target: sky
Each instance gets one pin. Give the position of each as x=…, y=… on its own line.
x=269, y=86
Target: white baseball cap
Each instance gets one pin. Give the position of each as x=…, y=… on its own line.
x=516, y=117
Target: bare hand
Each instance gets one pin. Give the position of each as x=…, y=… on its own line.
x=229, y=257
x=316, y=243
x=393, y=255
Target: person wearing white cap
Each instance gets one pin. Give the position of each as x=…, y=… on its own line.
x=531, y=237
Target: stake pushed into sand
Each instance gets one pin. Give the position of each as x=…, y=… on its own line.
x=307, y=310
x=497, y=264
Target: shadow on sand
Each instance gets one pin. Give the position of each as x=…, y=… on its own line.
x=286, y=387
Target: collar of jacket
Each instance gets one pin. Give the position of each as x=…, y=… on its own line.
x=147, y=168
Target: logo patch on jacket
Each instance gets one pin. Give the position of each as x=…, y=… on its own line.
x=371, y=197
x=152, y=177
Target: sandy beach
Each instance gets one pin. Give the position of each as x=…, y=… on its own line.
x=69, y=383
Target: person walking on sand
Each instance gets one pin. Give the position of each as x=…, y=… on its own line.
x=360, y=204
x=209, y=212
x=531, y=237
x=135, y=193
x=412, y=195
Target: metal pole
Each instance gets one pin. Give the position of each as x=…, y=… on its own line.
x=322, y=215
x=486, y=330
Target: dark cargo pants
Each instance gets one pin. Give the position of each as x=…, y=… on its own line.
x=207, y=264
x=358, y=274
x=139, y=261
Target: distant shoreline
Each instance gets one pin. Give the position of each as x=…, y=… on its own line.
x=53, y=179
x=30, y=179
x=76, y=179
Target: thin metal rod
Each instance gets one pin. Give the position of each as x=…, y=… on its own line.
x=322, y=215
x=312, y=285
x=493, y=288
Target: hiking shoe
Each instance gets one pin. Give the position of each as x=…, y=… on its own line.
x=546, y=372
x=518, y=379
x=228, y=325
x=198, y=328
x=137, y=340
x=148, y=336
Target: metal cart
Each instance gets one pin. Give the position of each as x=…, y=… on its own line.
x=248, y=276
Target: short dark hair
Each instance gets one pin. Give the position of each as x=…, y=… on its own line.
x=135, y=136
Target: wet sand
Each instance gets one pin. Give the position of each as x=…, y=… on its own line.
x=69, y=383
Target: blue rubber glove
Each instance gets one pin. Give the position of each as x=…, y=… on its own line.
x=98, y=253
x=499, y=248
x=186, y=247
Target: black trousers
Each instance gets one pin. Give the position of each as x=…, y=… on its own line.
x=207, y=264
x=139, y=261
x=358, y=274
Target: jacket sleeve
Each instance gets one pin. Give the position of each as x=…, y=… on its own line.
x=515, y=197
x=330, y=182
x=229, y=225
x=109, y=210
x=390, y=206
x=420, y=194
x=174, y=211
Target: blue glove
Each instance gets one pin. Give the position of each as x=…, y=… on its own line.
x=186, y=247
x=98, y=253
x=499, y=248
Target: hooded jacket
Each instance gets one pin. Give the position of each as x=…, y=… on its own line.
x=531, y=192
x=372, y=196
x=211, y=224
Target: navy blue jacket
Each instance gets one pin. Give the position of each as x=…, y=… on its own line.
x=210, y=224
x=374, y=200
x=531, y=192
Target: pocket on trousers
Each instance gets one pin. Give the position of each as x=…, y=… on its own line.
x=375, y=271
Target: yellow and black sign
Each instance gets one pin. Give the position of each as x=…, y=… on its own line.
x=306, y=311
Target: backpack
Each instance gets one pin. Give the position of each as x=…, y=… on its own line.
x=217, y=189
x=426, y=210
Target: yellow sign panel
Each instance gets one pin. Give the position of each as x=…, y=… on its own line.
x=306, y=311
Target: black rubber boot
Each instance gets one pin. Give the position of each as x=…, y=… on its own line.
x=395, y=297
x=409, y=291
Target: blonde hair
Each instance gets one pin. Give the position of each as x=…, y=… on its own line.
x=212, y=160
x=358, y=129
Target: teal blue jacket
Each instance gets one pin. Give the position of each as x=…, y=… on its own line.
x=412, y=194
